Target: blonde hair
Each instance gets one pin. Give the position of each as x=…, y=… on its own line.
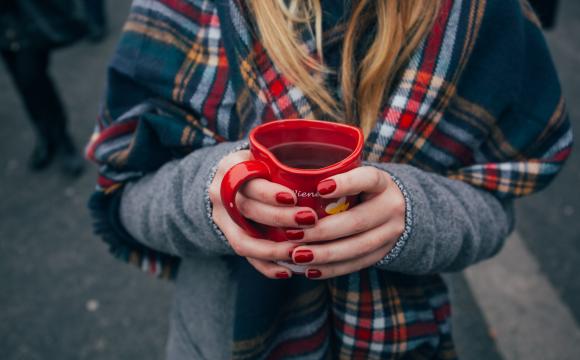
x=400, y=27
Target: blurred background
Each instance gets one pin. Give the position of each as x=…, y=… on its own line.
x=62, y=296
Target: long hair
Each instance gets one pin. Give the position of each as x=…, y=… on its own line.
x=398, y=27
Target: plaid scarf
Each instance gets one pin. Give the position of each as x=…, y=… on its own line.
x=189, y=74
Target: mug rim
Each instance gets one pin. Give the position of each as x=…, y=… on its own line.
x=353, y=157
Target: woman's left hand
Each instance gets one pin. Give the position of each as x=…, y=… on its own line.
x=359, y=237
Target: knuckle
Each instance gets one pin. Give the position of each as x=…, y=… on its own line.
x=400, y=227
x=214, y=195
x=244, y=206
x=223, y=164
x=215, y=216
x=279, y=218
x=237, y=247
x=255, y=187
x=346, y=181
x=324, y=255
x=400, y=206
x=368, y=245
x=398, y=209
x=360, y=223
x=320, y=232
x=328, y=272
x=270, y=253
x=360, y=266
x=375, y=177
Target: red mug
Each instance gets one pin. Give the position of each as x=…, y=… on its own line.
x=298, y=154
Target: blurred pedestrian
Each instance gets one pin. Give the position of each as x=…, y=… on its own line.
x=96, y=20
x=29, y=31
x=547, y=11
x=462, y=114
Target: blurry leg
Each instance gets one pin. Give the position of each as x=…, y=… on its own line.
x=546, y=10
x=97, y=20
x=29, y=70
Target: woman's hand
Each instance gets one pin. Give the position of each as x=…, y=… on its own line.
x=266, y=203
x=366, y=233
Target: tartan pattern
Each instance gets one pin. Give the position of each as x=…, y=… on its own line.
x=377, y=314
x=179, y=82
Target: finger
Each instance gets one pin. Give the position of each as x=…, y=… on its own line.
x=224, y=165
x=362, y=179
x=247, y=246
x=268, y=192
x=275, y=215
x=346, y=267
x=363, y=217
x=349, y=248
x=270, y=270
x=230, y=160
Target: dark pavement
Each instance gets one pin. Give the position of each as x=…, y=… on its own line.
x=63, y=297
x=549, y=222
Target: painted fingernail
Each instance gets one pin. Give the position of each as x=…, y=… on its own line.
x=285, y=198
x=282, y=275
x=303, y=256
x=313, y=274
x=305, y=217
x=326, y=187
x=294, y=234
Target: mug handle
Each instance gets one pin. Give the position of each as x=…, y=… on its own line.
x=234, y=178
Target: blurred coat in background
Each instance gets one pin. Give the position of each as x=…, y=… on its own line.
x=547, y=11
x=97, y=22
x=29, y=31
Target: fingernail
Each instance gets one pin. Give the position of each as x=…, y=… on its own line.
x=303, y=256
x=313, y=274
x=282, y=275
x=326, y=187
x=294, y=234
x=285, y=198
x=305, y=217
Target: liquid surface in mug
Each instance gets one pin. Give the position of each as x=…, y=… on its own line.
x=309, y=155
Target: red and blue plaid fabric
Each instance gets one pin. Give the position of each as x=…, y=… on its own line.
x=479, y=101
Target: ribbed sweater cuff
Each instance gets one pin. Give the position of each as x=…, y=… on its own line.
x=208, y=203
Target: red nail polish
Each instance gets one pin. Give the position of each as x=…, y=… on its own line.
x=313, y=274
x=282, y=275
x=292, y=234
x=303, y=256
x=284, y=198
x=326, y=187
x=305, y=217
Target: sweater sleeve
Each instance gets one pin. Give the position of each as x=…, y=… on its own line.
x=170, y=211
x=449, y=224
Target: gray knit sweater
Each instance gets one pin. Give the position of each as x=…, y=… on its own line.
x=450, y=225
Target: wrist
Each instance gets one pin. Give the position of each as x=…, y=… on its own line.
x=395, y=251
x=244, y=145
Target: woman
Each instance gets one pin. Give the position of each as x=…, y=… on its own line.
x=29, y=31
x=462, y=113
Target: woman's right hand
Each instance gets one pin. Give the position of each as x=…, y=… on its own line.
x=266, y=203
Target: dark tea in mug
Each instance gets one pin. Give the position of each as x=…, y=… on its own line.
x=309, y=155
